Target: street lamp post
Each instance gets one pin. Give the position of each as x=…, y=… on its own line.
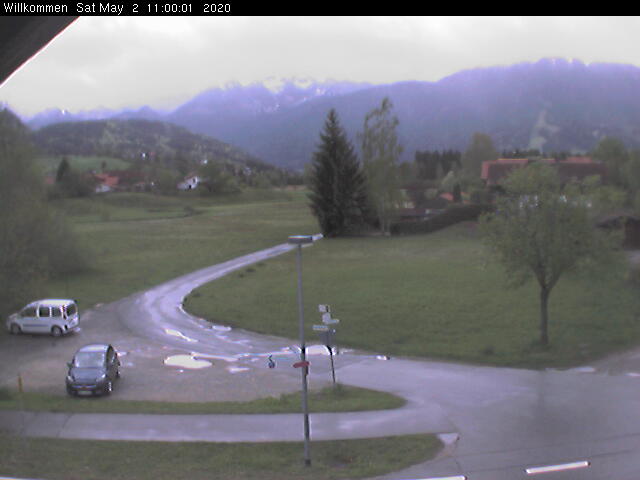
x=299, y=241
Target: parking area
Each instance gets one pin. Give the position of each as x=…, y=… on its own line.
x=41, y=360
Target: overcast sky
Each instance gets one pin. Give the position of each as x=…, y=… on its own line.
x=117, y=62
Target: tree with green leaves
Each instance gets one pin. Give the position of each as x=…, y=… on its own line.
x=480, y=150
x=381, y=152
x=543, y=230
x=338, y=191
x=216, y=178
x=34, y=242
x=614, y=155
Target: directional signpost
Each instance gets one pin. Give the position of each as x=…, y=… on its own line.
x=327, y=333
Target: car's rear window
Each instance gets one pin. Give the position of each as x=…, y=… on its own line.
x=88, y=359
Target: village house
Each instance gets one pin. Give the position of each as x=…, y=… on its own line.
x=190, y=182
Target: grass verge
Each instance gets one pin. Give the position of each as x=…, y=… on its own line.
x=101, y=460
x=343, y=398
x=437, y=295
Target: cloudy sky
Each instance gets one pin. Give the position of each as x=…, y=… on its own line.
x=117, y=62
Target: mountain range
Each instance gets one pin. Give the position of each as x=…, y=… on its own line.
x=550, y=105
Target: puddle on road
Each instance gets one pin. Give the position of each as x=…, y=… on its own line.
x=176, y=333
x=237, y=369
x=582, y=370
x=224, y=358
x=220, y=328
x=186, y=361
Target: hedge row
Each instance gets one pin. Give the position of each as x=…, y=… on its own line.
x=452, y=215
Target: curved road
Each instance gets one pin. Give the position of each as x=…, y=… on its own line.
x=501, y=423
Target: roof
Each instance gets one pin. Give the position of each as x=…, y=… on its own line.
x=95, y=347
x=106, y=179
x=54, y=301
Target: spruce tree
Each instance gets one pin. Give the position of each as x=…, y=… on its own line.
x=337, y=184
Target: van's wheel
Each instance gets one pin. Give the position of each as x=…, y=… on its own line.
x=56, y=331
x=15, y=329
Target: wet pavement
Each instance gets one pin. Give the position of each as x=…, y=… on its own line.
x=500, y=423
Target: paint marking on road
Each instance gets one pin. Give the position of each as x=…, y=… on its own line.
x=557, y=468
x=456, y=477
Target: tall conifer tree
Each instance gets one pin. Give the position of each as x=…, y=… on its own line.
x=338, y=191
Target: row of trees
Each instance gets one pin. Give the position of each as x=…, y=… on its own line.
x=346, y=195
x=35, y=242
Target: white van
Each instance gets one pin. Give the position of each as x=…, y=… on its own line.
x=51, y=316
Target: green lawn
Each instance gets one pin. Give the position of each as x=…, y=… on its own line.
x=435, y=295
x=137, y=241
x=81, y=163
x=341, y=399
x=58, y=459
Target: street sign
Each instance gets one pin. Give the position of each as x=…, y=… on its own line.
x=301, y=364
x=323, y=308
x=321, y=328
x=330, y=321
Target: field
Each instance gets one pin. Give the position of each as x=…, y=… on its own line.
x=49, y=165
x=135, y=241
x=438, y=296
x=102, y=460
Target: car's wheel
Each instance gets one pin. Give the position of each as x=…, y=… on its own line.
x=108, y=388
x=56, y=331
x=15, y=329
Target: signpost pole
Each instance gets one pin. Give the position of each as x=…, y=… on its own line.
x=333, y=371
x=299, y=240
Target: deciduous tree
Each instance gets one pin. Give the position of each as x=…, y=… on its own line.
x=381, y=152
x=542, y=230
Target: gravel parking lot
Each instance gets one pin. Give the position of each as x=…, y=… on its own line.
x=41, y=363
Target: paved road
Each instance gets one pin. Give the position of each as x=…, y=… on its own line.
x=584, y=421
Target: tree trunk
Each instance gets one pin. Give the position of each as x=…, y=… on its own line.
x=544, y=315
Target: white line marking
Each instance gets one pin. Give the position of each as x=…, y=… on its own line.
x=557, y=468
x=457, y=477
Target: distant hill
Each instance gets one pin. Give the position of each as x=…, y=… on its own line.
x=550, y=105
x=134, y=138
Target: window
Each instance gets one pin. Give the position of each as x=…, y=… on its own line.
x=56, y=311
x=89, y=360
x=71, y=309
x=28, y=312
x=43, y=312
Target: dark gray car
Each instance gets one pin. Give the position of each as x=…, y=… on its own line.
x=93, y=370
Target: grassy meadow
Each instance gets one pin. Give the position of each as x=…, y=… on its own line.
x=80, y=163
x=61, y=459
x=438, y=296
x=135, y=240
